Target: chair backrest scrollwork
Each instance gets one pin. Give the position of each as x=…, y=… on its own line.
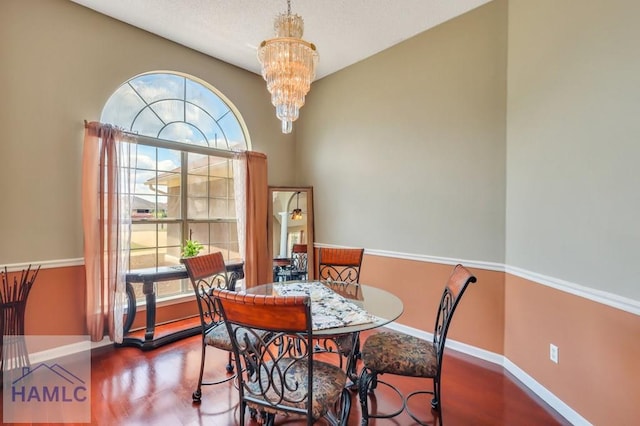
x=272, y=341
x=456, y=285
x=340, y=264
x=299, y=257
x=207, y=272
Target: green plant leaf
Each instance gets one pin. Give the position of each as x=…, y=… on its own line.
x=191, y=248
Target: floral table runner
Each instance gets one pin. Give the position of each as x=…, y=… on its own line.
x=328, y=308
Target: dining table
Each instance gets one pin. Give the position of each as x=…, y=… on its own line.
x=340, y=309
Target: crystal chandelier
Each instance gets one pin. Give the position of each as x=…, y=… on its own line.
x=288, y=67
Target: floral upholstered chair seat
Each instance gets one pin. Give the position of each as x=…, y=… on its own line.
x=328, y=384
x=218, y=336
x=400, y=354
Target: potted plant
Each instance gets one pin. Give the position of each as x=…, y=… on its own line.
x=191, y=248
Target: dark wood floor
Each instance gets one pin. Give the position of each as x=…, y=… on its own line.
x=132, y=387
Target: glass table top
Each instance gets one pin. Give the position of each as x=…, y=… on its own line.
x=381, y=306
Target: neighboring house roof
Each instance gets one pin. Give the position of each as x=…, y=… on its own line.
x=206, y=165
x=138, y=203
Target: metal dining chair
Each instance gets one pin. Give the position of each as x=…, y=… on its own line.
x=400, y=354
x=341, y=267
x=272, y=339
x=299, y=260
x=340, y=264
x=206, y=273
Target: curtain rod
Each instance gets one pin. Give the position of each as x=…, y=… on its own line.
x=169, y=144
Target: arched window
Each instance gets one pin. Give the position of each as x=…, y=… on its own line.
x=178, y=108
x=181, y=172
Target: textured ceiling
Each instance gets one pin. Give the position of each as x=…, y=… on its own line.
x=344, y=31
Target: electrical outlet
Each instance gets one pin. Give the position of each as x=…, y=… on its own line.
x=553, y=353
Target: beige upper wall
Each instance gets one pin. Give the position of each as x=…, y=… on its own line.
x=406, y=150
x=426, y=127
x=573, y=186
x=60, y=64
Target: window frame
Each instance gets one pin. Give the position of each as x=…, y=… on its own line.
x=184, y=220
x=223, y=115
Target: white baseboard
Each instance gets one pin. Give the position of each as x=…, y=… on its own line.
x=547, y=396
x=556, y=403
x=66, y=350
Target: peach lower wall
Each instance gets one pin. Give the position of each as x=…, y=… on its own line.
x=598, y=373
x=479, y=319
x=56, y=304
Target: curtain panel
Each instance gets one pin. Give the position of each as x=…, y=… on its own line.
x=106, y=218
x=256, y=261
x=106, y=215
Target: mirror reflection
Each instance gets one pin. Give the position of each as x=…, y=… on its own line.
x=291, y=232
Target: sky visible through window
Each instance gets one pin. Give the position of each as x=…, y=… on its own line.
x=171, y=107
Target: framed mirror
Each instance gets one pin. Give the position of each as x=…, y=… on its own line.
x=290, y=232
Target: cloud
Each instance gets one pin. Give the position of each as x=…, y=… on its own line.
x=158, y=106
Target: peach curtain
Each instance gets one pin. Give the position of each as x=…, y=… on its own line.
x=106, y=219
x=257, y=265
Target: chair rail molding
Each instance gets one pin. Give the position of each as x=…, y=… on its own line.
x=609, y=299
x=603, y=297
x=45, y=264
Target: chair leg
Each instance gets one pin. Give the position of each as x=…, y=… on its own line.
x=367, y=382
x=271, y=418
x=345, y=407
x=197, y=395
x=364, y=382
x=435, y=401
x=352, y=358
x=243, y=407
x=356, y=352
x=230, y=364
